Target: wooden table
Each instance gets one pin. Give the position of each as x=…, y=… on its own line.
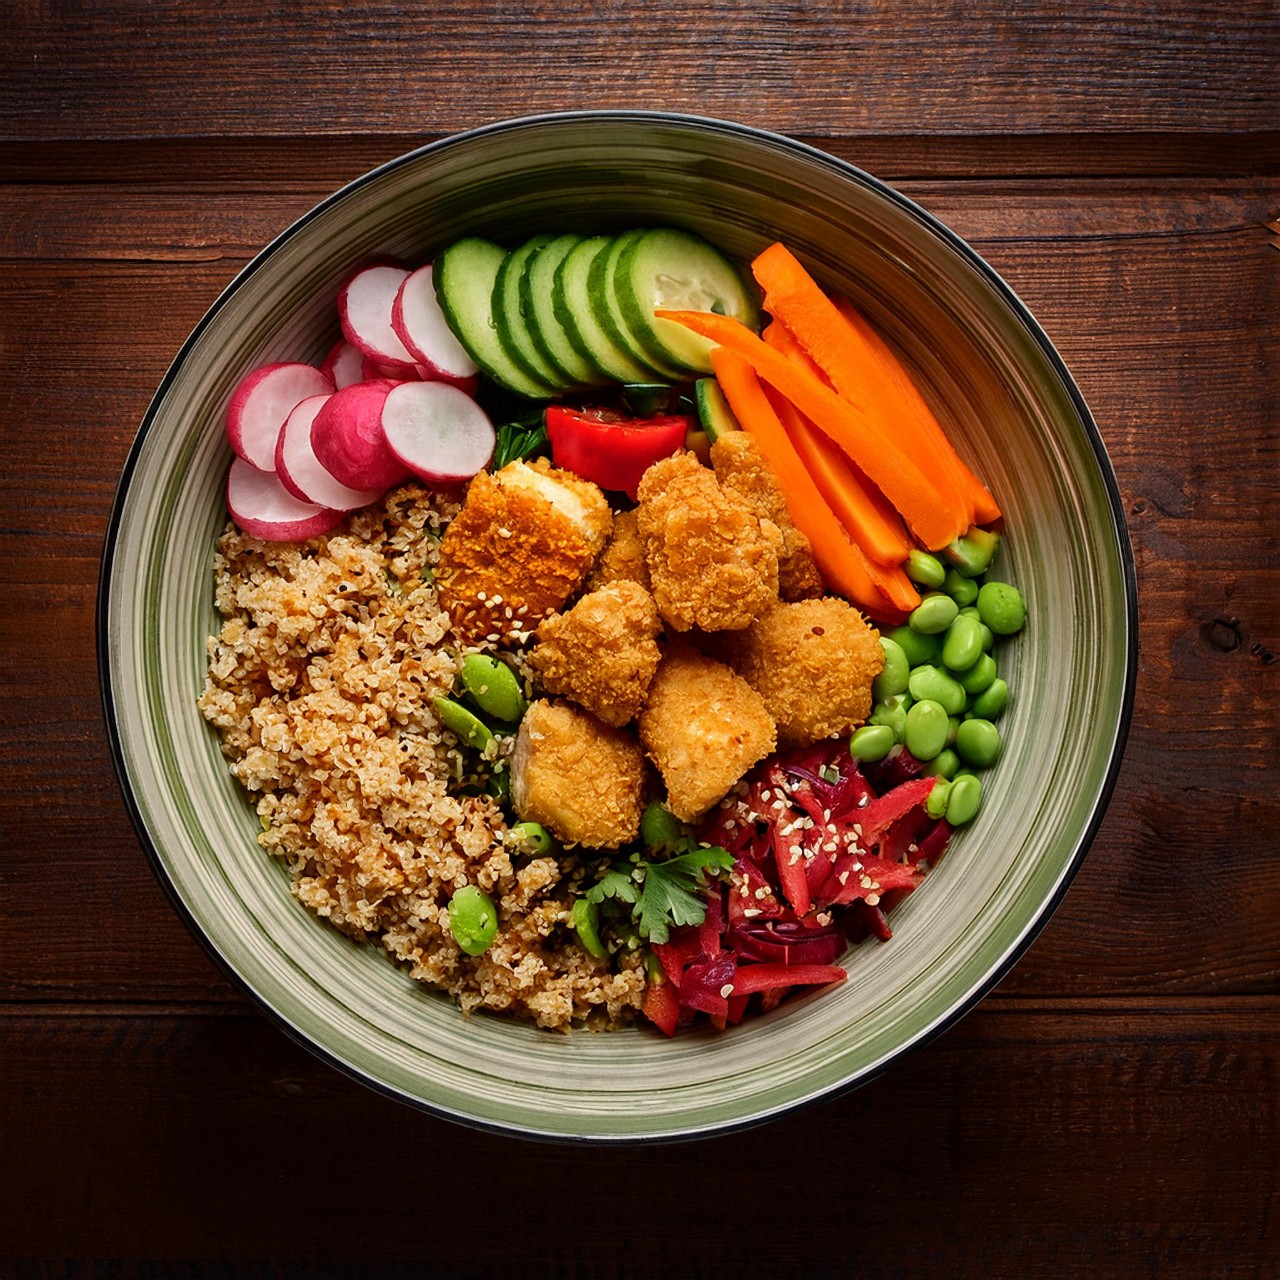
x=1114, y=1108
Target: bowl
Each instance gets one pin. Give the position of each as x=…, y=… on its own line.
x=1007, y=401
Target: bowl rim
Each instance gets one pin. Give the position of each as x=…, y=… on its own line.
x=992, y=279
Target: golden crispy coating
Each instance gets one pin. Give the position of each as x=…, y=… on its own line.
x=623, y=556
x=603, y=652
x=521, y=546
x=813, y=662
x=581, y=779
x=740, y=467
x=713, y=562
x=704, y=727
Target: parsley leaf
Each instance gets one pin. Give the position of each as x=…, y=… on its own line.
x=617, y=882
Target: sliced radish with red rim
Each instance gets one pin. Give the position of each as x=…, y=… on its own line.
x=265, y=509
x=300, y=471
x=260, y=404
x=364, y=311
x=437, y=431
x=344, y=364
x=419, y=322
x=347, y=439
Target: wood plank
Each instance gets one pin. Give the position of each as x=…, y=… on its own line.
x=1161, y=297
x=125, y=70
x=1110, y=1139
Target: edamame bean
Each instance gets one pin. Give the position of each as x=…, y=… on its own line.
x=535, y=836
x=934, y=614
x=937, y=685
x=989, y=704
x=659, y=827
x=871, y=742
x=924, y=569
x=979, y=676
x=584, y=916
x=918, y=647
x=925, y=732
x=893, y=677
x=963, y=799
x=935, y=803
x=493, y=687
x=463, y=724
x=473, y=919
x=961, y=589
x=962, y=645
x=1002, y=608
x=893, y=712
x=978, y=743
x=943, y=765
x=972, y=553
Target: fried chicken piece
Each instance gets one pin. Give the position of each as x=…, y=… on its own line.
x=581, y=779
x=704, y=727
x=522, y=544
x=622, y=559
x=713, y=562
x=603, y=652
x=812, y=661
x=740, y=467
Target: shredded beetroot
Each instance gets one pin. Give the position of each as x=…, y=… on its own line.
x=820, y=855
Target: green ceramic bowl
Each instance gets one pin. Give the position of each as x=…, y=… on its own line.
x=1009, y=404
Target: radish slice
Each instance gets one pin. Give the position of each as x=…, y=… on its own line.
x=437, y=431
x=343, y=365
x=419, y=322
x=370, y=370
x=364, y=311
x=265, y=509
x=346, y=436
x=260, y=404
x=300, y=471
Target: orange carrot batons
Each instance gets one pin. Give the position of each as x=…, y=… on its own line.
x=933, y=518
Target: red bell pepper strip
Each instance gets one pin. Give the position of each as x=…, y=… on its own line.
x=662, y=1006
x=609, y=448
x=763, y=977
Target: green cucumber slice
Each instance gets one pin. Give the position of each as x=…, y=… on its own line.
x=601, y=283
x=671, y=269
x=548, y=334
x=465, y=274
x=714, y=413
x=509, y=318
x=571, y=302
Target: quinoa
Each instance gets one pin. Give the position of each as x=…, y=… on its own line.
x=321, y=684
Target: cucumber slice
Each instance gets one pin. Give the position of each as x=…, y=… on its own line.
x=714, y=413
x=601, y=284
x=647, y=399
x=464, y=275
x=549, y=337
x=571, y=302
x=509, y=318
x=677, y=270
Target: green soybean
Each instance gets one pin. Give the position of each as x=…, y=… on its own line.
x=463, y=724
x=933, y=615
x=536, y=836
x=978, y=743
x=1002, y=608
x=473, y=919
x=659, y=827
x=925, y=732
x=493, y=687
x=991, y=702
x=943, y=765
x=938, y=686
x=918, y=647
x=962, y=645
x=871, y=742
x=924, y=569
x=584, y=916
x=935, y=803
x=979, y=676
x=972, y=553
x=962, y=590
x=964, y=799
x=892, y=712
x=893, y=676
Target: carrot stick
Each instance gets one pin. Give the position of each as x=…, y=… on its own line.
x=856, y=370
x=861, y=507
x=840, y=561
x=985, y=510
x=935, y=519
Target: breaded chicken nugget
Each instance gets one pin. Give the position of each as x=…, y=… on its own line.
x=603, y=652
x=812, y=662
x=740, y=467
x=581, y=779
x=522, y=544
x=713, y=562
x=623, y=556
x=704, y=727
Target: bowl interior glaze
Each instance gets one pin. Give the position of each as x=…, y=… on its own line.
x=1013, y=412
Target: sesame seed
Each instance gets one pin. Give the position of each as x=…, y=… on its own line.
x=727, y=990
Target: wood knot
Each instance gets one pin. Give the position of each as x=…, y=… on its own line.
x=1223, y=634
